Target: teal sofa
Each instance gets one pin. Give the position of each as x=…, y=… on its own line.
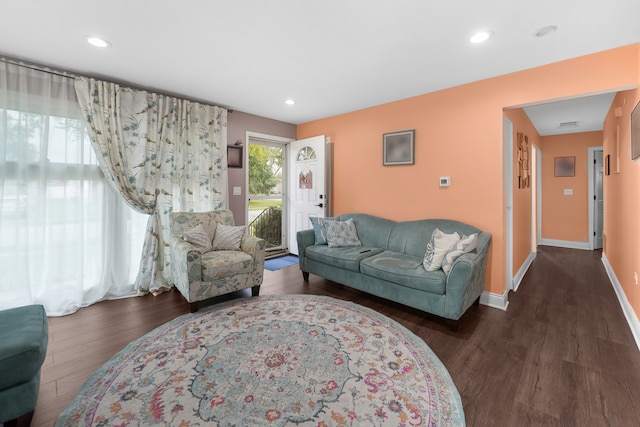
x=389, y=264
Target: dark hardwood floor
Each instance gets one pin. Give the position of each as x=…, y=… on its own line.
x=561, y=355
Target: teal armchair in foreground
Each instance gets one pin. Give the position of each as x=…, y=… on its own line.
x=24, y=336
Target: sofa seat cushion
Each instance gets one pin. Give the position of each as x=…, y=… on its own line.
x=24, y=335
x=405, y=270
x=219, y=264
x=347, y=258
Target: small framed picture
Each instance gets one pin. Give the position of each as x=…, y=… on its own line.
x=398, y=148
x=234, y=156
x=565, y=166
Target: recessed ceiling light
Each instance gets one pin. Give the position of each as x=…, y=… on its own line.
x=97, y=41
x=545, y=31
x=481, y=36
x=290, y=102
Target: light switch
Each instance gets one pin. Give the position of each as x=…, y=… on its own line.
x=568, y=191
x=237, y=191
x=445, y=181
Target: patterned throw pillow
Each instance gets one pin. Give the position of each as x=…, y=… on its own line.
x=228, y=237
x=340, y=233
x=318, y=230
x=438, y=246
x=198, y=237
x=466, y=244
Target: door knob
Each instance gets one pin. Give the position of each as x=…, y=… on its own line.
x=319, y=205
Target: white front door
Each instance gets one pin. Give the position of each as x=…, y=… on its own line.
x=307, y=194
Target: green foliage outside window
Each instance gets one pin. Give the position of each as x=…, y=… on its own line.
x=265, y=165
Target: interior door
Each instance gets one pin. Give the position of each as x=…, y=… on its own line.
x=598, y=218
x=307, y=195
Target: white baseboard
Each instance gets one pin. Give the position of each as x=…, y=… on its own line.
x=523, y=269
x=565, y=244
x=629, y=314
x=495, y=300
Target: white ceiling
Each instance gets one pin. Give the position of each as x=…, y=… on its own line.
x=331, y=56
x=583, y=114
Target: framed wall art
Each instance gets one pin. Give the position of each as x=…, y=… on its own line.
x=565, y=166
x=398, y=148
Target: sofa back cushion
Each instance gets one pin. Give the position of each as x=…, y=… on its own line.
x=412, y=237
x=372, y=231
x=407, y=237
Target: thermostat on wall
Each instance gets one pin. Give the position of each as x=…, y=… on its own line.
x=445, y=181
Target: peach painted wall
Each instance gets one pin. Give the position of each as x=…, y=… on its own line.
x=458, y=134
x=522, y=203
x=567, y=217
x=622, y=199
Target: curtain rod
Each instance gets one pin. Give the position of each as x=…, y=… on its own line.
x=68, y=75
x=38, y=68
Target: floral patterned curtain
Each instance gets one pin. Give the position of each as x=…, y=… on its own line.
x=162, y=154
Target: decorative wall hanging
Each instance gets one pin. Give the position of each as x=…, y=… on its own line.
x=305, y=180
x=522, y=162
x=398, y=148
x=565, y=166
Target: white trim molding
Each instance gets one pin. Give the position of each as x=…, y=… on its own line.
x=495, y=300
x=517, y=279
x=629, y=314
x=565, y=244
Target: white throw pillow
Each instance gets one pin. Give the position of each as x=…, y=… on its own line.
x=465, y=245
x=438, y=246
x=198, y=237
x=228, y=237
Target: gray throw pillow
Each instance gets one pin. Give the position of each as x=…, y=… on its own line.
x=318, y=230
x=340, y=233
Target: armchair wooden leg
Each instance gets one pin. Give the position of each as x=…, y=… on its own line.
x=255, y=291
x=21, y=421
x=305, y=276
x=453, y=325
x=194, y=306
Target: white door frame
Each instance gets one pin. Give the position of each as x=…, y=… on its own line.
x=539, y=195
x=278, y=140
x=508, y=196
x=593, y=151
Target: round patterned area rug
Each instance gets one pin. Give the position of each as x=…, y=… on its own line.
x=298, y=360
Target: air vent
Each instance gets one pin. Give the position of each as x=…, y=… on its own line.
x=565, y=125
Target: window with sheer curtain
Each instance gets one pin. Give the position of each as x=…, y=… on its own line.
x=67, y=239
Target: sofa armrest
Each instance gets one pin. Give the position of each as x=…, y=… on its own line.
x=466, y=280
x=305, y=239
x=186, y=263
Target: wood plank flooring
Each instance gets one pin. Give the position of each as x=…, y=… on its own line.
x=561, y=355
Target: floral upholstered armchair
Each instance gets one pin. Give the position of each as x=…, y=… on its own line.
x=210, y=256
